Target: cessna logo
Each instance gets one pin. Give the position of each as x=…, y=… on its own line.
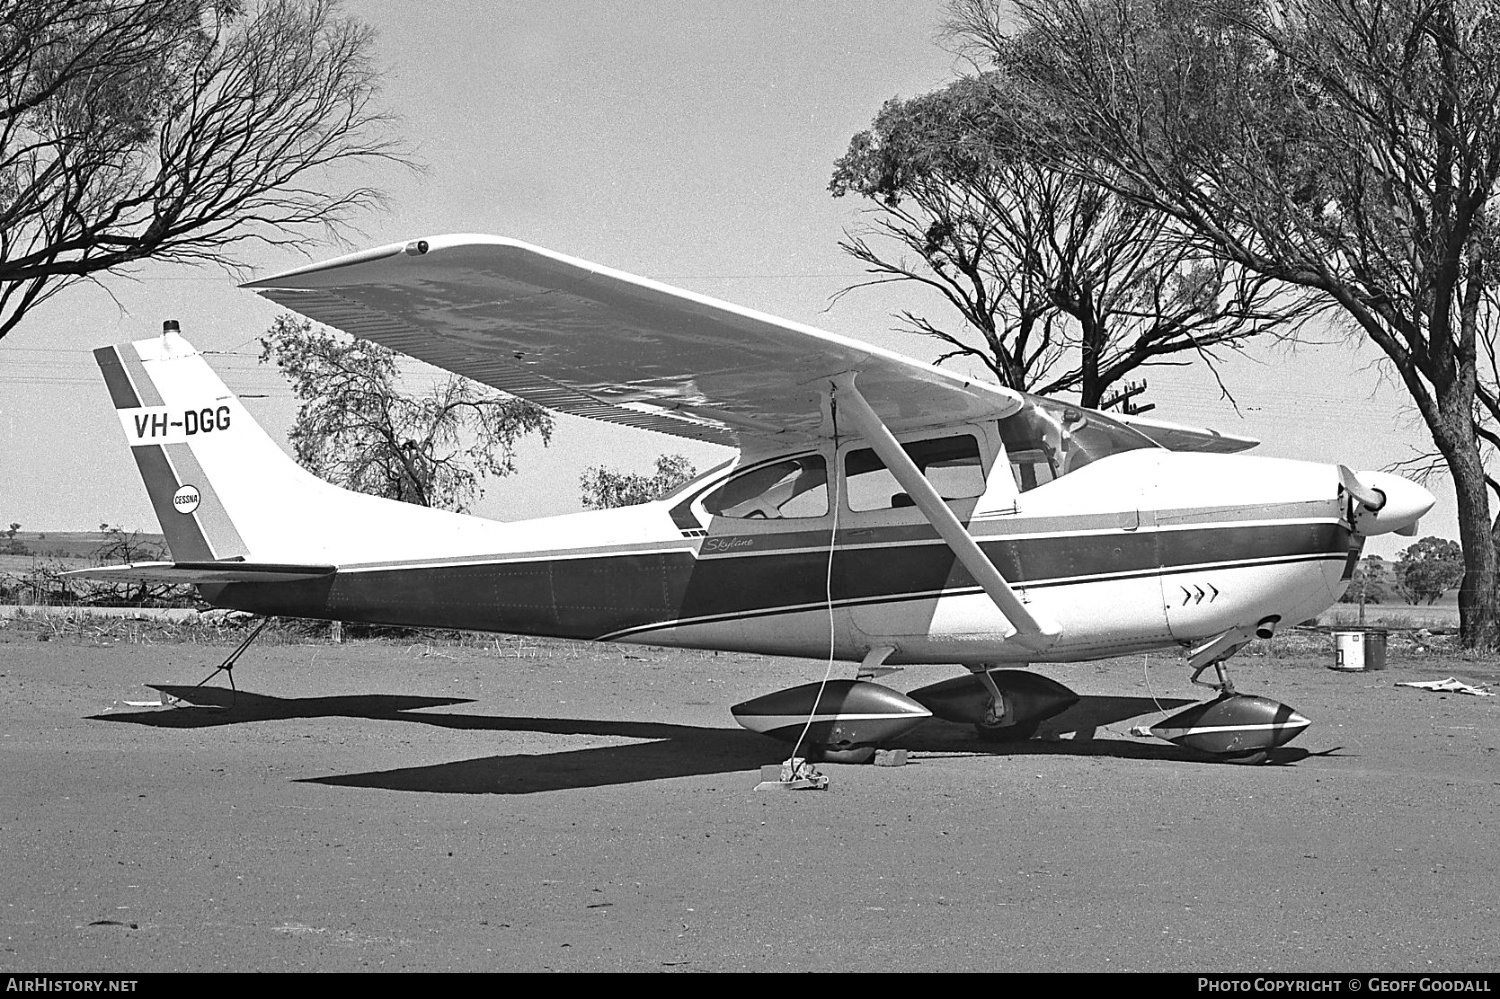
x=186, y=499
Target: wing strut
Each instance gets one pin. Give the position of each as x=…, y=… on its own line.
x=1027, y=628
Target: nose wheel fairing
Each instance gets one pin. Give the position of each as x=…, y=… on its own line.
x=1233, y=726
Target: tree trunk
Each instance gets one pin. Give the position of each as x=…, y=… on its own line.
x=1476, y=595
x=1092, y=390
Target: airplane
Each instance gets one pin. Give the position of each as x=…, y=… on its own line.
x=881, y=512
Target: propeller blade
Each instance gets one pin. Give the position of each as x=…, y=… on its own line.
x=1370, y=498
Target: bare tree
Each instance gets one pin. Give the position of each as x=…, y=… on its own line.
x=174, y=130
x=1350, y=147
x=1059, y=284
x=357, y=429
x=120, y=546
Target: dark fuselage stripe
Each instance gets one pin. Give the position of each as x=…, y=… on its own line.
x=615, y=594
x=960, y=591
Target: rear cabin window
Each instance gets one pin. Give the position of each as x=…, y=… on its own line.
x=796, y=487
x=1046, y=440
x=951, y=464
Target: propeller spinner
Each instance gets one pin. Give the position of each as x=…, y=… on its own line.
x=1384, y=503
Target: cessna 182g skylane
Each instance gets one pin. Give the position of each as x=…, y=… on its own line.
x=888, y=511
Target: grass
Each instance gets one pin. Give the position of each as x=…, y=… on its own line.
x=221, y=627
x=1396, y=617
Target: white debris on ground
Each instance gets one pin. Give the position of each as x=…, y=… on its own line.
x=796, y=774
x=1452, y=685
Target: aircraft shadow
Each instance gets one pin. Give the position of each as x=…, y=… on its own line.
x=210, y=707
x=672, y=750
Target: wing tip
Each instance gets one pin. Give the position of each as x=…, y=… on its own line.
x=421, y=246
x=280, y=279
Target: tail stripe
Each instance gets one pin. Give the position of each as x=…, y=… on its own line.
x=120, y=391
x=211, y=519
x=144, y=387
x=184, y=536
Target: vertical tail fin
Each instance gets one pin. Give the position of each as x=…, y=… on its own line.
x=223, y=489
x=170, y=403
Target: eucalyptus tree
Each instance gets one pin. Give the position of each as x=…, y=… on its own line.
x=359, y=426
x=1348, y=147
x=604, y=488
x=1056, y=282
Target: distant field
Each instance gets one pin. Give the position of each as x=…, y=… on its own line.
x=31, y=560
x=1443, y=614
x=19, y=565
x=75, y=545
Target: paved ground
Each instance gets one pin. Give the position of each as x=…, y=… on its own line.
x=409, y=807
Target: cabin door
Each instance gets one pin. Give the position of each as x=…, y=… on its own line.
x=892, y=567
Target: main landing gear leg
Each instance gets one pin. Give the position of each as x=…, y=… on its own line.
x=1003, y=705
x=227, y=666
x=994, y=714
x=999, y=723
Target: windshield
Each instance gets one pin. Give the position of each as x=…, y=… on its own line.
x=1047, y=439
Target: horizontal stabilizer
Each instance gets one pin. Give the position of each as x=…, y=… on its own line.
x=204, y=572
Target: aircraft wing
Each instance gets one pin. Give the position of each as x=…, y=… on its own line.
x=583, y=339
x=1175, y=437
x=203, y=572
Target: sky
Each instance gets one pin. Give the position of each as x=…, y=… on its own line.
x=686, y=142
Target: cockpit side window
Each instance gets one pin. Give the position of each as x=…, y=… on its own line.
x=1046, y=440
x=951, y=464
x=796, y=487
